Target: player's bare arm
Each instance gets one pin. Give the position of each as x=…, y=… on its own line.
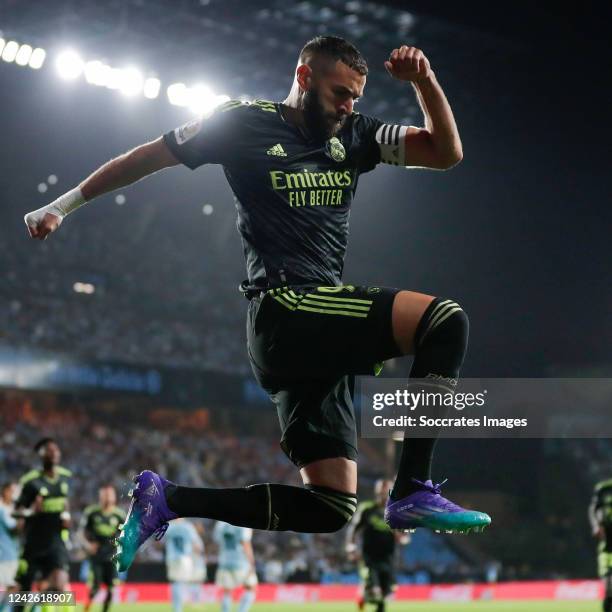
x=119, y=172
x=437, y=145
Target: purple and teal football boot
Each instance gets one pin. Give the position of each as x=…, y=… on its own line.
x=148, y=514
x=427, y=508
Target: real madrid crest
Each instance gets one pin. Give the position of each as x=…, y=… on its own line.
x=336, y=149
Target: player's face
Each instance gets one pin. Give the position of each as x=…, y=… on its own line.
x=9, y=494
x=107, y=496
x=330, y=99
x=52, y=454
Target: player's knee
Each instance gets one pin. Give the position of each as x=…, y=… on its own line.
x=335, y=509
x=444, y=322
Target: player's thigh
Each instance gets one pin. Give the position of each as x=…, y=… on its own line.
x=58, y=579
x=408, y=309
x=226, y=579
x=317, y=419
x=8, y=572
x=337, y=473
x=323, y=331
x=56, y=566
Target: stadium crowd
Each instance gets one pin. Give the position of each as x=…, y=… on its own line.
x=100, y=448
x=143, y=313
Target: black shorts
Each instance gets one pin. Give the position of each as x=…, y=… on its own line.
x=37, y=565
x=378, y=579
x=306, y=344
x=102, y=572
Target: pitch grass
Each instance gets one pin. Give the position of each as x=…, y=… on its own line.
x=481, y=606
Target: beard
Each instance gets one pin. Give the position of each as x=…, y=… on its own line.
x=320, y=124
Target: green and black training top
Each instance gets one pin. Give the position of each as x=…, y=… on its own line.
x=44, y=529
x=293, y=194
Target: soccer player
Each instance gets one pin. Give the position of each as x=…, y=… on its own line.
x=236, y=565
x=9, y=552
x=183, y=545
x=44, y=505
x=98, y=529
x=600, y=515
x=294, y=167
x=378, y=545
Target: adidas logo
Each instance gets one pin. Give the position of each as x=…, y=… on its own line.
x=152, y=490
x=277, y=150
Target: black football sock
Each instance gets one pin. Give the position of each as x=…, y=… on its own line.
x=108, y=599
x=440, y=344
x=273, y=507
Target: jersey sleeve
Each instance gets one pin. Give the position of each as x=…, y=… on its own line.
x=381, y=143
x=208, y=140
x=368, y=155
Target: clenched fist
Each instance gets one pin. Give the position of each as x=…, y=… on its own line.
x=408, y=64
x=41, y=225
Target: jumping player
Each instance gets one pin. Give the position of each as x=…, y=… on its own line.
x=294, y=167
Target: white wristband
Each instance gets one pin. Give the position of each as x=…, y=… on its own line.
x=61, y=207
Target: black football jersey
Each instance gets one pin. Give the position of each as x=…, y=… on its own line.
x=44, y=528
x=293, y=193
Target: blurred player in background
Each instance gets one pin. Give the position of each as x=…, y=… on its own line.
x=183, y=546
x=378, y=545
x=9, y=551
x=43, y=503
x=600, y=515
x=98, y=529
x=236, y=566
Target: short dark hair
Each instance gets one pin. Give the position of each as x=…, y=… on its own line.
x=41, y=443
x=334, y=48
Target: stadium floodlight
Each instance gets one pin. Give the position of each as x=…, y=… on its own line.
x=151, y=87
x=97, y=73
x=69, y=65
x=23, y=55
x=37, y=58
x=178, y=94
x=9, y=53
x=87, y=288
x=2, y=43
x=201, y=99
x=132, y=82
x=115, y=78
